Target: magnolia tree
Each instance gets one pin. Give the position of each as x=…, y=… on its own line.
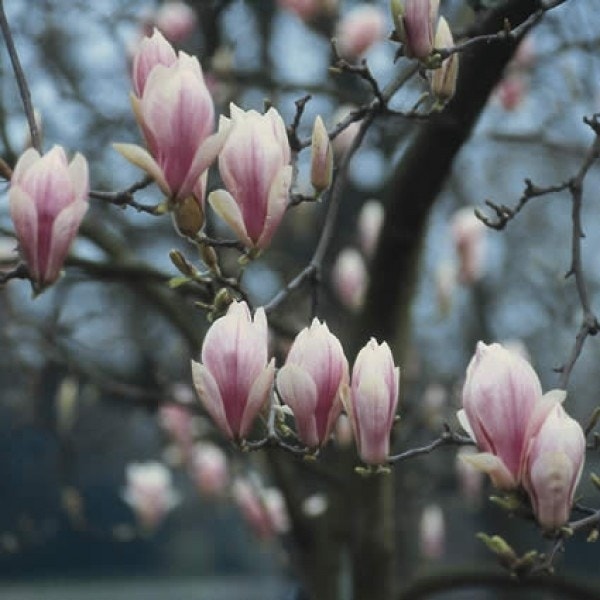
x=311, y=389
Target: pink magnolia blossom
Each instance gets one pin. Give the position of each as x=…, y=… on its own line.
x=468, y=233
x=175, y=112
x=263, y=509
x=176, y=420
x=432, y=532
x=415, y=22
x=555, y=457
x=350, y=278
x=209, y=469
x=176, y=19
x=255, y=167
x=149, y=492
x=373, y=401
x=370, y=221
x=313, y=382
x=362, y=27
x=48, y=199
x=511, y=91
x=234, y=380
x=503, y=408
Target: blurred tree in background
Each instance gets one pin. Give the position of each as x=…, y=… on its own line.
x=99, y=412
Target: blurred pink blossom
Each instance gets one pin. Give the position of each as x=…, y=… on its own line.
x=177, y=20
x=468, y=233
x=360, y=29
x=350, y=278
x=209, y=469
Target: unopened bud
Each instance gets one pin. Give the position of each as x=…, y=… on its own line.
x=443, y=80
x=181, y=263
x=210, y=258
x=222, y=300
x=188, y=216
x=321, y=167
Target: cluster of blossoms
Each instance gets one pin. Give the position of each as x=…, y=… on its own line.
x=421, y=30
x=235, y=381
x=526, y=438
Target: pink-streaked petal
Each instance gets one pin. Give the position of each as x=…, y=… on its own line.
x=257, y=398
x=142, y=159
x=79, y=174
x=486, y=462
x=24, y=216
x=205, y=156
x=210, y=396
x=277, y=205
x=152, y=51
x=64, y=231
x=199, y=190
x=226, y=207
x=298, y=390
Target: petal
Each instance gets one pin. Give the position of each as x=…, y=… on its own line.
x=298, y=390
x=208, y=392
x=64, y=230
x=277, y=205
x=226, y=207
x=79, y=174
x=142, y=159
x=24, y=216
x=205, y=156
x=259, y=394
x=501, y=477
x=26, y=160
x=461, y=415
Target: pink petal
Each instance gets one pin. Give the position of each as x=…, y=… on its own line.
x=142, y=159
x=488, y=463
x=257, y=398
x=78, y=172
x=208, y=392
x=299, y=392
x=277, y=205
x=24, y=216
x=226, y=207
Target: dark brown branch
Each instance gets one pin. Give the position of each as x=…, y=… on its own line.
x=447, y=438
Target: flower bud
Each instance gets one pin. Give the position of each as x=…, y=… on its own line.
x=188, y=217
x=415, y=22
x=48, y=199
x=503, y=407
x=373, y=401
x=177, y=422
x=553, y=466
x=443, y=79
x=234, y=380
x=313, y=382
x=321, y=166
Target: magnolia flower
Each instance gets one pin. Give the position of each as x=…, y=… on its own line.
x=176, y=20
x=432, y=532
x=415, y=22
x=208, y=469
x=48, y=199
x=177, y=422
x=313, y=382
x=373, y=401
x=362, y=27
x=370, y=221
x=175, y=112
x=468, y=233
x=234, y=380
x=350, y=278
x=553, y=465
x=503, y=408
x=149, y=492
x=307, y=10
x=255, y=167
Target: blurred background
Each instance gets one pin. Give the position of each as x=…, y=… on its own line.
x=95, y=375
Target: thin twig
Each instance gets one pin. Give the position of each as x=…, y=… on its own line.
x=447, y=438
x=21, y=80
